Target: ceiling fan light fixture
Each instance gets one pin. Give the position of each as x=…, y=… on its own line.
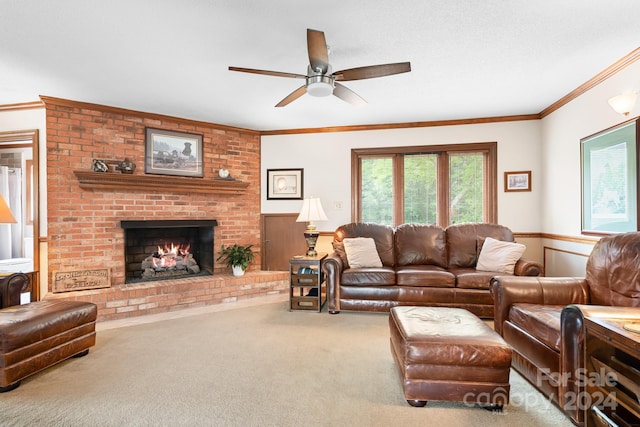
x=319, y=85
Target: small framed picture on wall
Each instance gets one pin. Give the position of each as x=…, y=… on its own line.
x=517, y=181
x=285, y=184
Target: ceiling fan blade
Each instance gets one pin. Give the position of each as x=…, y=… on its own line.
x=292, y=96
x=348, y=95
x=268, y=73
x=318, y=52
x=372, y=71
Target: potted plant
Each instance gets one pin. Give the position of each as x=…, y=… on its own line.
x=237, y=257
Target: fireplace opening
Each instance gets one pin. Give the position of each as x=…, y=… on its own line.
x=167, y=249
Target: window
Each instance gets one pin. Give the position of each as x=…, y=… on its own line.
x=443, y=184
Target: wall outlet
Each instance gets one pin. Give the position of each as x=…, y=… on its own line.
x=337, y=206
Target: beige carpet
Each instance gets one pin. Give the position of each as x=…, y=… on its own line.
x=252, y=366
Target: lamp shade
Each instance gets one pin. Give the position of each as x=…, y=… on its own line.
x=6, y=216
x=623, y=104
x=311, y=211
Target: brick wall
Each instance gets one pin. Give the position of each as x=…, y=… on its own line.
x=84, y=225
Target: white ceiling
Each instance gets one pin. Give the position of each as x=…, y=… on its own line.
x=469, y=58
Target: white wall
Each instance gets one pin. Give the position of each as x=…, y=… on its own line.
x=561, y=134
x=326, y=159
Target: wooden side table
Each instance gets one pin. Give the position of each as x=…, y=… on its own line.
x=307, y=287
x=612, y=359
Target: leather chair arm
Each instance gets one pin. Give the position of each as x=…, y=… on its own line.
x=332, y=267
x=509, y=290
x=11, y=287
x=525, y=267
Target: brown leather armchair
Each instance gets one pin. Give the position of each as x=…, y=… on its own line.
x=531, y=315
x=11, y=287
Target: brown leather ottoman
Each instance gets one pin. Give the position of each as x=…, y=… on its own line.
x=37, y=335
x=449, y=354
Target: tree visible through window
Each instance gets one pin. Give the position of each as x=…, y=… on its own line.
x=377, y=190
x=431, y=185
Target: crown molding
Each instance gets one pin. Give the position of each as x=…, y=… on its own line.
x=433, y=123
x=620, y=64
x=22, y=106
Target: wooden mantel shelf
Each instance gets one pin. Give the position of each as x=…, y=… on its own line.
x=167, y=183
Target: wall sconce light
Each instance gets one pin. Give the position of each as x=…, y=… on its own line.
x=311, y=211
x=623, y=104
x=6, y=217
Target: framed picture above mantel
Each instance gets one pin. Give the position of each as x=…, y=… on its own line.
x=609, y=175
x=173, y=153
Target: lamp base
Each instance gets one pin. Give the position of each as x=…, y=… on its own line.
x=311, y=237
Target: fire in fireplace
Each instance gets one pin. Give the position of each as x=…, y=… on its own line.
x=164, y=249
x=170, y=260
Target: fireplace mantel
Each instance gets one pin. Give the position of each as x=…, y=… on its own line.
x=135, y=182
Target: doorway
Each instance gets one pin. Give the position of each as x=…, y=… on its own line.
x=19, y=178
x=282, y=238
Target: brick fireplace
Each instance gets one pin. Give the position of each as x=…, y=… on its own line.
x=86, y=208
x=158, y=243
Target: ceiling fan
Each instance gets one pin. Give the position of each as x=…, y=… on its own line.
x=321, y=81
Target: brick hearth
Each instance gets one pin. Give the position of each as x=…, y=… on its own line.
x=169, y=295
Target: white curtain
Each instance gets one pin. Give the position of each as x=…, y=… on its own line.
x=5, y=229
x=11, y=235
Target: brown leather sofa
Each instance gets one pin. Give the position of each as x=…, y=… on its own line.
x=536, y=316
x=422, y=265
x=40, y=334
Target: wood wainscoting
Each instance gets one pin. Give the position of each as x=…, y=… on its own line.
x=282, y=238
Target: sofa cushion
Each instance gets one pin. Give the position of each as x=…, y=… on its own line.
x=361, y=252
x=462, y=241
x=420, y=244
x=382, y=234
x=368, y=276
x=541, y=321
x=424, y=275
x=499, y=256
x=470, y=278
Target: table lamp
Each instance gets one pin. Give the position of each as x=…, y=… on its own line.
x=311, y=211
x=6, y=217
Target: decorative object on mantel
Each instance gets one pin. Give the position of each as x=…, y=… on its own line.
x=100, y=166
x=139, y=182
x=173, y=153
x=126, y=166
x=237, y=257
x=224, y=174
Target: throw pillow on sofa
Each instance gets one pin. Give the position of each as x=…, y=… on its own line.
x=361, y=252
x=499, y=256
